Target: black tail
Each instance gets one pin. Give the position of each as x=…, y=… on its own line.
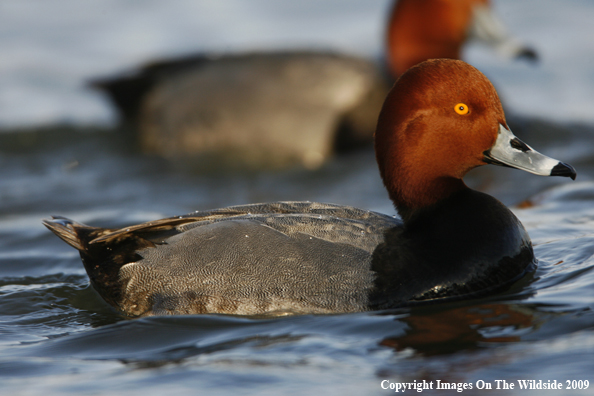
x=102, y=260
x=75, y=234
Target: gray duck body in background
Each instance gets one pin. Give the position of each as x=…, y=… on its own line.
x=254, y=110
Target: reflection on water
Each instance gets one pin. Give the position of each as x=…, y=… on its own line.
x=467, y=328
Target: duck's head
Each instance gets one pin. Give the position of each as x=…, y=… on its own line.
x=441, y=119
x=424, y=29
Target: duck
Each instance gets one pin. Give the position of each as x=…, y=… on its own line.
x=278, y=109
x=418, y=30
x=441, y=119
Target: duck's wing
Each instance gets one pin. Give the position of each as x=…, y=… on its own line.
x=285, y=216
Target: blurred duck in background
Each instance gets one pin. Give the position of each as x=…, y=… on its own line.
x=251, y=111
x=276, y=109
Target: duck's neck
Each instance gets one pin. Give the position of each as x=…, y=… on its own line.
x=413, y=198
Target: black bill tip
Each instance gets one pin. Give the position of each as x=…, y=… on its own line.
x=563, y=169
x=528, y=54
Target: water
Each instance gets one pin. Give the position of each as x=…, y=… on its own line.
x=58, y=337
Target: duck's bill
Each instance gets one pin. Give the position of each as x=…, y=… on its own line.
x=510, y=151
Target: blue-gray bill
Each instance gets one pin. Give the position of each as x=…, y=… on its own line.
x=510, y=151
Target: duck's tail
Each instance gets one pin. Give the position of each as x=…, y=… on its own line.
x=75, y=234
x=102, y=262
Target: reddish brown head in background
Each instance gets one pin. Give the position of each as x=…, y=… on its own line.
x=423, y=29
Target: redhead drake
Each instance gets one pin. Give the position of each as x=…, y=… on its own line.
x=441, y=119
x=425, y=29
x=278, y=109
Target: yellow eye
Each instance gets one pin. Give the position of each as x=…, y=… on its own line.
x=461, y=108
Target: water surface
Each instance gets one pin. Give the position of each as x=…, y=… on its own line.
x=58, y=337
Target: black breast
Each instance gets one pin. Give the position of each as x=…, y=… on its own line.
x=466, y=246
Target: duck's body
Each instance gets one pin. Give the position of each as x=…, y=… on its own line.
x=254, y=110
x=292, y=257
x=301, y=257
x=441, y=119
